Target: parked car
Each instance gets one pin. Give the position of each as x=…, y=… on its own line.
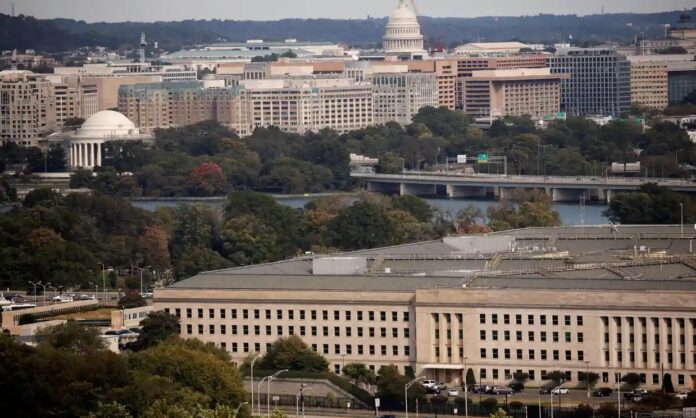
x=500, y=390
x=453, y=392
x=637, y=393
x=441, y=386
x=544, y=390
x=477, y=388
x=602, y=392
x=682, y=396
x=432, y=390
x=429, y=383
x=559, y=391
x=62, y=299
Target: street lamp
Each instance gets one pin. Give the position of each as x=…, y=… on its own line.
x=587, y=377
x=268, y=393
x=44, y=290
x=466, y=390
x=408, y=385
x=259, y=392
x=236, y=411
x=103, y=282
x=299, y=395
x=253, y=360
x=141, y=276
x=34, y=284
x=681, y=212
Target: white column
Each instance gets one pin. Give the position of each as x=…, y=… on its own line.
x=90, y=154
x=72, y=157
x=638, y=347
x=689, y=349
x=651, y=344
x=612, y=342
x=99, y=154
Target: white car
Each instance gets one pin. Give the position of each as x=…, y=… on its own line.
x=62, y=299
x=429, y=383
x=559, y=391
x=453, y=392
x=682, y=396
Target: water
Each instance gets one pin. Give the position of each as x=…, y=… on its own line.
x=570, y=212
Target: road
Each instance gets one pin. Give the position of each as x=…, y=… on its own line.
x=532, y=396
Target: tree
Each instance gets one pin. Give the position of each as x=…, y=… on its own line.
x=81, y=178
x=632, y=380
x=591, y=378
x=131, y=300
x=667, y=385
x=292, y=353
x=556, y=377
x=584, y=410
x=390, y=388
x=55, y=158
x=110, y=410
x=70, y=336
x=359, y=373
x=652, y=205
x=36, y=160
x=470, y=378
x=363, y=225
x=154, y=246
x=44, y=197
x=158, y=326
x=489, y=403
x=417, y=207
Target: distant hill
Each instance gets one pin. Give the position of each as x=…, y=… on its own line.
x=54, y=35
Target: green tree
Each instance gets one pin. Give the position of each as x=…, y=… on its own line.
x=470, y=378
x=489, y=403
x=556, y=377
x=632, y=380
x=132, y=299
x=70, y=336
x=158, y=326
x=390, y=388
x=359, y=373
x=591, y=379
x=81, y=178
x=55, y=158
x=292, y=353
x=652, y=205
x=110, y=410
x=419, y=208
x=667, y=384
x=362, y=225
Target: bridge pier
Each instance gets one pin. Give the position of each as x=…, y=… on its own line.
x=567, y=195
x=465, y=191
x=418, y=189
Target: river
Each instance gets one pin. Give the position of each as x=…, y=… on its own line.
x=571, y=213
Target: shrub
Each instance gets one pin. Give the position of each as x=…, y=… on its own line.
x=516, y=405
x=489, y=403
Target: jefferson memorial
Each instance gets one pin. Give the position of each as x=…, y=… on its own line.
x=85, y=147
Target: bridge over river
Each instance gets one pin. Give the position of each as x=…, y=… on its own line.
x=560, y=188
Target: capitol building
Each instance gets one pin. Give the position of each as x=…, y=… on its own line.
x=403, y=38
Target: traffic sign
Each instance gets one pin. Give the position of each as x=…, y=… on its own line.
x=482, y=158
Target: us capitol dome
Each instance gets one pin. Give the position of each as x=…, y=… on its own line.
x=403, y=36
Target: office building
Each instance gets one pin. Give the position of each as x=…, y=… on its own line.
x=402, y=37
x=599, y=83
x=681, y=80
x=491, y=49
x=648, y=82
x=512, y=92
x=27, y=107
x=302, y=105
x=534, y=301
x=399, y=96
x=74, y=98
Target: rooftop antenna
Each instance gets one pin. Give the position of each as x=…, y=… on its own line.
x=14, y=59
x=143, y=44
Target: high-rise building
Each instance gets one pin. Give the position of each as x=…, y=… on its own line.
x=74, y=98
x=402, y=37
x=27, y=108
x=512, y=92
x=648, y=81
x=399, y=96
x=681, y=80
x=599, y=83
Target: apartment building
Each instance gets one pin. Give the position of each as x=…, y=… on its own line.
x=446, y=75
x=27, y=107
x=511, y=92
x=599, y=82
x=437, y=308
x=648, y=82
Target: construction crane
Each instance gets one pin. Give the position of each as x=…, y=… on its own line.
x=143, y=45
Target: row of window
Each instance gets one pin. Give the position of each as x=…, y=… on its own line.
x=508, y=374
x=302, y=314
x=314, y=330
x=567, y=319
x=644, y=338
x=644, y=357
x=339, y=350
x=531, y=354
x=555, y=336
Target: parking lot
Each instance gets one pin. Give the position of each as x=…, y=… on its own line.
x=532, y=396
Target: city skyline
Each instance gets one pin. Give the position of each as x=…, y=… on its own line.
x=173, y=10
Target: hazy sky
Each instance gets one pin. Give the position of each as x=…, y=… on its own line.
x=151, y=10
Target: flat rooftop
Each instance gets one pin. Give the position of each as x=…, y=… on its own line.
x=643, y=258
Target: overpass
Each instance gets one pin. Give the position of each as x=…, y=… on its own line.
x=560, y=188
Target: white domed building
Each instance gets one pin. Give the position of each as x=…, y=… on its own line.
x=85, y=147
x=403, y=37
